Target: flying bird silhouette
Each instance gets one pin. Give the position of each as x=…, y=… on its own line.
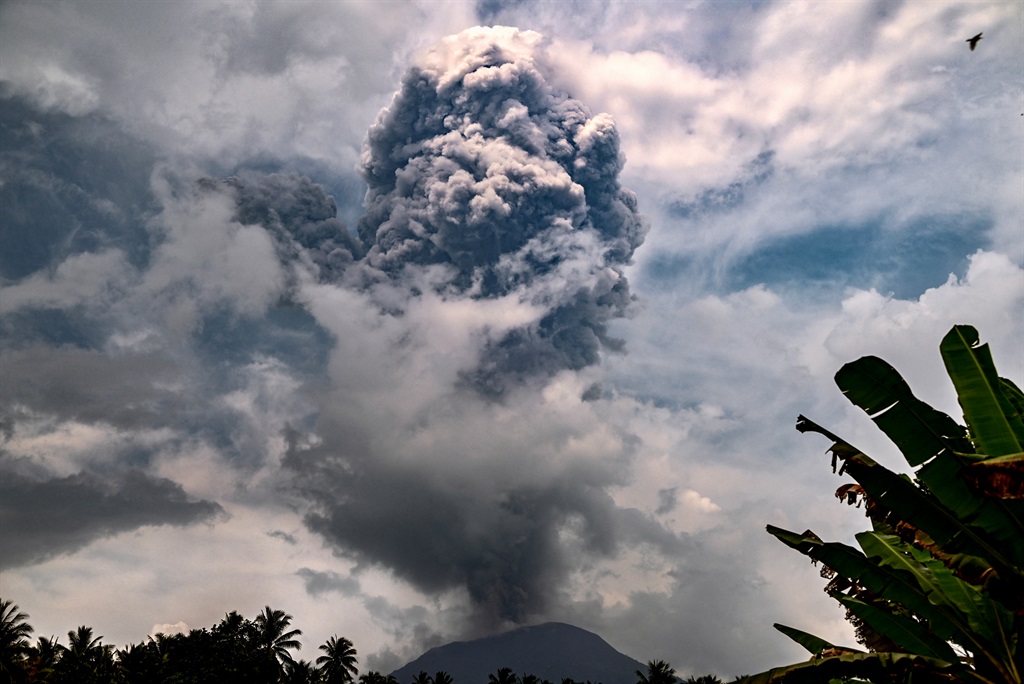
x=973, y=41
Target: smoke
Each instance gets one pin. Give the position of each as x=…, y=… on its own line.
x=491, y=261
x=47, y=517
x=302, y=219
x=507, y=186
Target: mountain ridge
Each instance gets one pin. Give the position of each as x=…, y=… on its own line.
x=551, y=650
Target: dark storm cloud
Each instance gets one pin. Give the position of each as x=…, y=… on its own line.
x=482, y=167
x=68, y=185
x=301, y=217
x=51, y=326
x=88, y=386
x=511, y=547
x=668, y=499
x=318, y=583
x=283, y=536
x=40, y=519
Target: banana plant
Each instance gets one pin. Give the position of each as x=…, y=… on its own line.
x=935, y=589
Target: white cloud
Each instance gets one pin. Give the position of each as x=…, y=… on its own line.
x=79, y=279
x=169, y=629
x=223, y=80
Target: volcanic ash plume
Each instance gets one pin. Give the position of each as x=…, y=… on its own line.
x=482, y=168
x=300, y=217
x=491, y=260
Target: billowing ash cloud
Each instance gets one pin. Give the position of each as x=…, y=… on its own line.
x=40, y=518
x=495, y=236
x=509, y=540
x=302, y=219
x=481, y=167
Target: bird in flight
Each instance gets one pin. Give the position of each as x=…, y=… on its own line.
x=973, y=41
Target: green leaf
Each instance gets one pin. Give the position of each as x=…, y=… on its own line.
x=1014, y=395
x=919, y=430
x=882, y=667
x=814, y=645
x=907, y=502
x=981, y=624
x=894, y=553
x=854, y=565
x=910, y=635
x=985, y=617
x=993, y=420
x=947, y=477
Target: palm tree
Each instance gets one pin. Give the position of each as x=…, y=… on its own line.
x=658, y=672
x=232, y=624
x=300, y=672
x=422, y=678
x=85, y=659
x=443, y=677
x=374, y=677
x=338, y=664
x=273, y=638
x=504, y=675
x=43, y=658
x=140, y=662
x=14, y=644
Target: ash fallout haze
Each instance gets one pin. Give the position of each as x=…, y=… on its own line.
x=424, y=320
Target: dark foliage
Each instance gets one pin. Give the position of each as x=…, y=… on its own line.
x=236, y=650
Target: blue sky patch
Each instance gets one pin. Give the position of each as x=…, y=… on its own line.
x=903, y=262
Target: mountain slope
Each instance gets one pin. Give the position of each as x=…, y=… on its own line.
x=551, y=651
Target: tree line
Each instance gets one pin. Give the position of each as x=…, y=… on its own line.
x=236, y=650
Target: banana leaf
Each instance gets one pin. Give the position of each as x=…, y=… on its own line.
x=815, y=645
x=1014, y=395
x=920, y=431
x=909, y=503
x=992, y=417
x=923, y=433
x=855, y=566
x=881, y=667
x=947, y=477
x=911, y=636
x=982, y=625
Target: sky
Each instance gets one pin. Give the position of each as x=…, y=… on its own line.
x=423, y=320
